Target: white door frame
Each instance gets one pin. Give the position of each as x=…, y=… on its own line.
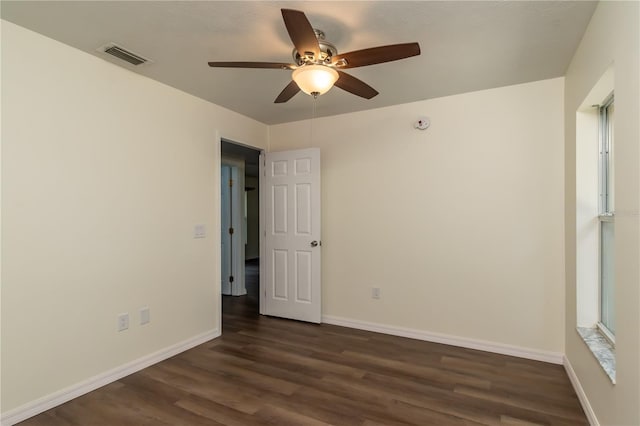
x=261, y=270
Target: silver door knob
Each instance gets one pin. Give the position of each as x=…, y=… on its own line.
x=314, y=243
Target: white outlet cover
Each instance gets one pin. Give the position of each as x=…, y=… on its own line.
x=123, y=321
x=375, y=293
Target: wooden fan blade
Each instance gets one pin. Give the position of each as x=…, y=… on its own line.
x=289, y=92
x=270, y=65
x=376, y=55
x=301, y=32
x=353, y=85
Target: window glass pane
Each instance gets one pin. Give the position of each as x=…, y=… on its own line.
x=607, y=316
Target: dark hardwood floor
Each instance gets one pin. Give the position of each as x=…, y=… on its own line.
x=270, y=371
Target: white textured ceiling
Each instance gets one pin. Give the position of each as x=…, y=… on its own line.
x=466, y=46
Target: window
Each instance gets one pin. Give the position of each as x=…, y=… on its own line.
x=595, y=189
x=606, y=219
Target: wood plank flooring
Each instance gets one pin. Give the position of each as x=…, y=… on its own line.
x=269, y=371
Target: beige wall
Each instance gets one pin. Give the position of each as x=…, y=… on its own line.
x=104, y=175
x=461, y=225
x=612, y=38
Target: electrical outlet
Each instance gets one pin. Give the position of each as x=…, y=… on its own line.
x=375, y=292
x=123, y=321
x=145, y=315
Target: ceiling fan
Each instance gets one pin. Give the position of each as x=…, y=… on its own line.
x=318, y=66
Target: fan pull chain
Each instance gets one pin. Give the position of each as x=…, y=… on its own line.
x=313, y=116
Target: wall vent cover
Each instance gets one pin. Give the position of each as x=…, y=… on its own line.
x=124, y=54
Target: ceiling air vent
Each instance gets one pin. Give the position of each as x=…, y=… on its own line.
x=123, y=54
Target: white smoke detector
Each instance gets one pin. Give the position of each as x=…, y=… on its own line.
x=422, y=123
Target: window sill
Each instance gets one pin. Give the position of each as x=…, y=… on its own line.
x=601, y=349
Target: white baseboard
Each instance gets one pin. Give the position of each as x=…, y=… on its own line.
x=482, y=345
x=582, y=396
x=60, y=397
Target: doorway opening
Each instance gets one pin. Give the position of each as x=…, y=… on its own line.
x=240, y=229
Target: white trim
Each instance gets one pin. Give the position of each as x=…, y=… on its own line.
x=447, y=339
x=582, y=396
x=47, y=402
x=606, y=333
x=217, y=224
x=263, y=229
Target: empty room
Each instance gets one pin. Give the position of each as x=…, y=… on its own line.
x=320, y=213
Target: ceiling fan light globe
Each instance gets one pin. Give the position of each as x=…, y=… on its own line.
x=312, y=79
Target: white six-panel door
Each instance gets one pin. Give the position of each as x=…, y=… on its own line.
x=291, y=232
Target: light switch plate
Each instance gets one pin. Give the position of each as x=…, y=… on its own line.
x=199, y=231
x=145, y=315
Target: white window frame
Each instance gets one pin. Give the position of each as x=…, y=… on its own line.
x=606, y=214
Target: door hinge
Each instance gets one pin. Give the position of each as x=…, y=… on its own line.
x=231, y=231
x=231, y=278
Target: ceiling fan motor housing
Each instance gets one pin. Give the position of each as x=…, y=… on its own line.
x=327, y=50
